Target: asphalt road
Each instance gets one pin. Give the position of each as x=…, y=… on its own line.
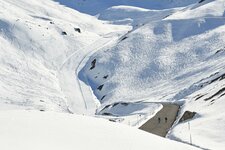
x=162, y=121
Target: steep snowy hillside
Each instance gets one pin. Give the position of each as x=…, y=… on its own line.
x=205, y=9
x=124, y=69
x=36, y=39
x=207, y=127
x=43, y=47
x=94, y=7
x=169, y=60
x=162, y=51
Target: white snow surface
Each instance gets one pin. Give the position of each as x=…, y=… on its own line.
x=34, y=52
x=170, y=55
x=157, y=58
x=206, y=9
x=94, y=7
x=134, y=16
x=132, y=114
x=169, y=59
x=207, y=127
x=41, y=54
x=26, y=130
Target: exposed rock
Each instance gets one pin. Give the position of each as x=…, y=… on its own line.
x=124, y=104
x=220, y=50
x=221, y=77
x=77, y=30
x=93, y=63
x=222, y=95
x=221, y=91
x=166, y=16
x=107, y=106
x=64, y=33
x=112, y=120
x=115, y=104
x=103, y=97
x=106, y=76
x=187, y=115
x=124, y=38
x=201, y=1
x=100, y=87
x=198, y=97
x=107, y=114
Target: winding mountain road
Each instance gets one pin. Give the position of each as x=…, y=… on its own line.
x=162, y=121
x=82, y=102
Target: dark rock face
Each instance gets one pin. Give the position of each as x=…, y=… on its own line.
x=124, y=38
x=77, y=30
x=64, y=33
x=93, y=63
x=112, y=120
x=107, y=114
x=187, y=115
x=100, y=87
x=106, y=76
x=221, y=91
x=201, y=1
x=103, y=97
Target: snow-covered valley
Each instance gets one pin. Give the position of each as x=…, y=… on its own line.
x=59, y=66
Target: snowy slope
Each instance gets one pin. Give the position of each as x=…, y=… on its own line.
x=36, y=39
x=43, y=46
x=205, y=9
x=94, y=7
x=134, y=16
x=207, y=127
x=22, y=130
x=149, y=59
x=172, y=59
x=53, y=58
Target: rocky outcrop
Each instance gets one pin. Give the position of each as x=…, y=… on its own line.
x=187, y=115
x=64, y=33
x=100, y=87
x=93, y=63
x=201, y=1
x=77, y=30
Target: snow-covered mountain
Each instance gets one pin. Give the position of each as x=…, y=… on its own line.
x=176, y=58
x=94, y=7
x=118, y=65
x=36, y=39
x=160, y=52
